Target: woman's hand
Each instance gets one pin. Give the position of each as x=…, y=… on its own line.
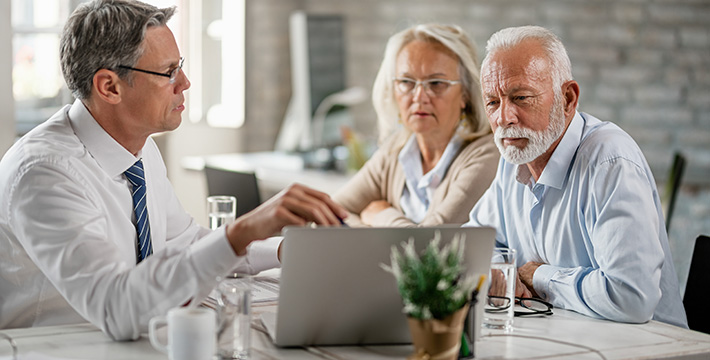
x=371, y=210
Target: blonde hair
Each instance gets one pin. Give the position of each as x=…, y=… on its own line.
x=454, y=39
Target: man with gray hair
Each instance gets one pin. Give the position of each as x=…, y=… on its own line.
x=573, y=195
x=90, y=228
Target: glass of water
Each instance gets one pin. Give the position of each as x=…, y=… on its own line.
x=499, y=307
x=234, y=318
x=221, y=209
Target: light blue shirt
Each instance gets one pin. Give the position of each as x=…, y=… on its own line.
x=595, y=218
x=419, y=188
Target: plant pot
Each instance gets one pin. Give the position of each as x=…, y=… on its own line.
x=437, y=339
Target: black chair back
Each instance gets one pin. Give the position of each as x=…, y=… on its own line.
x=697, y=288
x=670, y=194
x=242, y=185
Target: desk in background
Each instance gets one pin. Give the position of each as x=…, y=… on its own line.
x=564, y=335
x=274, y=170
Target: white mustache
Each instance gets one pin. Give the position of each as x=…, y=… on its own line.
x=514, y=132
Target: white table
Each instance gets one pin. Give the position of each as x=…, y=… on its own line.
x=563, y=335
x=274, y=170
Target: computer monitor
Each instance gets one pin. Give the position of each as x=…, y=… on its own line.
x=317, y=71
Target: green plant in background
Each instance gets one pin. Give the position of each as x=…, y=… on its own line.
x=432, y=285
x=356, y=151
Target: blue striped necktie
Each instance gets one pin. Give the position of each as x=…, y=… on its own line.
x=136, y=176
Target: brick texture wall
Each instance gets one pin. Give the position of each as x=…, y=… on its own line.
x=644, y=65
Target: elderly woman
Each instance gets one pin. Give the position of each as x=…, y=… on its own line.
x=435, y=166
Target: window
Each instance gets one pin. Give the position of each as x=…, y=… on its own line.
x=37, y=83
x=216, y=62
x=38, y=86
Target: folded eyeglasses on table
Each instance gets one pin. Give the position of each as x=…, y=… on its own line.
x=530, y=306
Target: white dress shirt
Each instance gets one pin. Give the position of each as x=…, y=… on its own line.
x=68, y=241
x=594, y=217
x=419, y=188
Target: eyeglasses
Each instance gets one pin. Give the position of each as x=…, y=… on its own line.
x=433, y=87
x=172, y=74
x=531, y=306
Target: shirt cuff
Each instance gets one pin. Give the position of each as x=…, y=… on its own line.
x=541, y=280
x=263, y=254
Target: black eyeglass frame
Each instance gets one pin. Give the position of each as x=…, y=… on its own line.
x=521, y=302
x=172, y=74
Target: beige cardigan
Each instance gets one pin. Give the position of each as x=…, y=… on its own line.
x=382, y=178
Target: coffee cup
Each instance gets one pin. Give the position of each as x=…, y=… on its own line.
x=191, y=333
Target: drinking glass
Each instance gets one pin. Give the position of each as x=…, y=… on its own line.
x=499, y=307
x=234, y=318
x=221, y=209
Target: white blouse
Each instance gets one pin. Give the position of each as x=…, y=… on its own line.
x=419, y=188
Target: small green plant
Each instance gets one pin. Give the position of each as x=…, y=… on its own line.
x=432, y=285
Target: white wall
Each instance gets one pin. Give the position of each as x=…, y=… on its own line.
x=7, y=106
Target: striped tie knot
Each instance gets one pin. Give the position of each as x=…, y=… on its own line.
x=136, y=176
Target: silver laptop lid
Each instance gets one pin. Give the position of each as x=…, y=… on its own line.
x=334, y=292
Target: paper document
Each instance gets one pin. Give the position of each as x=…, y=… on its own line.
x=268, y=319
x=265, y=289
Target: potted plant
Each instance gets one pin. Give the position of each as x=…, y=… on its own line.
x=436, y=294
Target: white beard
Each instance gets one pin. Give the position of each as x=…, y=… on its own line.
x=538, y=141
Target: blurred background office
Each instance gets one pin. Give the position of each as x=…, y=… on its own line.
x=644, y=65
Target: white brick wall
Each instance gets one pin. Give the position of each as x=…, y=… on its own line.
x=639, y=63
x=644, y=65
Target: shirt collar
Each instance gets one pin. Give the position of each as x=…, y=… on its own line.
x=111, y=156
x=555, y=172
x=410, y=158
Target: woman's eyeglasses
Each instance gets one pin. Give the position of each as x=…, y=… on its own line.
x=433, y=87
x=530, y=306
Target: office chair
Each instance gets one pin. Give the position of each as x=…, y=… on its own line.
x=670, y=192
x=241, y=185
x=695, y=299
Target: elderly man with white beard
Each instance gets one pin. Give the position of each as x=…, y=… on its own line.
x=572, y=194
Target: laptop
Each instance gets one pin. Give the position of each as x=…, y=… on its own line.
x=334, y=292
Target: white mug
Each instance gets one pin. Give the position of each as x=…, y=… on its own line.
x=191, y=333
